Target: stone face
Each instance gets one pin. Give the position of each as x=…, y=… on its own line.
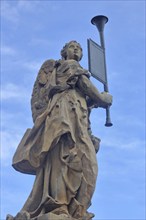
x=60, y=148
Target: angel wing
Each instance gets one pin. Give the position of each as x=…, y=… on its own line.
x=39, y=98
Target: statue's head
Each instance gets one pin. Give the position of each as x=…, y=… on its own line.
x=72, y=50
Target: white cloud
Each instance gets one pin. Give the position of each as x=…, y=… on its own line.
x=12, y=131
x=9, y=194
x=9, y=12
x=7, y=50
x=6, y=118
x=32, y=65
x=19, y=63
x=9, y=142
x=10, y=90
x=41, y=41
x=27, y=5
x=124, y=144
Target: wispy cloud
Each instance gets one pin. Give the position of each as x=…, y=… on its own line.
x=9, y=195
x=11, y=11
x=20, y=63
x=12, y=131
x=41, y=41
x=31, y=65
x=9, y=142
x=27, y=5
x=131, y=144
x=7, y=50
x=11, y=90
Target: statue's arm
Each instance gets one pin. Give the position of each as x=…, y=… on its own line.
x=99, y=99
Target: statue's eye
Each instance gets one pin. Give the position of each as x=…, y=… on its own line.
x=71, y=46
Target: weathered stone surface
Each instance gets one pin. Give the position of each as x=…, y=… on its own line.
x=60, y=148
x=51, y=216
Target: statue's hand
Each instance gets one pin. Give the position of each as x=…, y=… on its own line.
x=107, y=99
x=9, y=217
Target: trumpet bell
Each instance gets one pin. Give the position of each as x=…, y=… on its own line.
x=99, y=21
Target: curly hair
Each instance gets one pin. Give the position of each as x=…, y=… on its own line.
x=64, y=49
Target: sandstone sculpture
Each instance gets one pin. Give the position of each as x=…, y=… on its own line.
x=60, y=148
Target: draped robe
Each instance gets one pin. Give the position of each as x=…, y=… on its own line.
x=58, y=149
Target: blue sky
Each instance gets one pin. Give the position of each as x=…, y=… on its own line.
x=33, y=31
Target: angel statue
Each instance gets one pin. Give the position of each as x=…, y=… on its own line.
x=60, y=148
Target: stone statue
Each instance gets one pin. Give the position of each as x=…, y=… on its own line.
x=60, y=148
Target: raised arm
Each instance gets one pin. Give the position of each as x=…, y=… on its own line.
x=99, y=99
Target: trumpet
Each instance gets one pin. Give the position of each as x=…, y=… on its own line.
x=100, y=21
